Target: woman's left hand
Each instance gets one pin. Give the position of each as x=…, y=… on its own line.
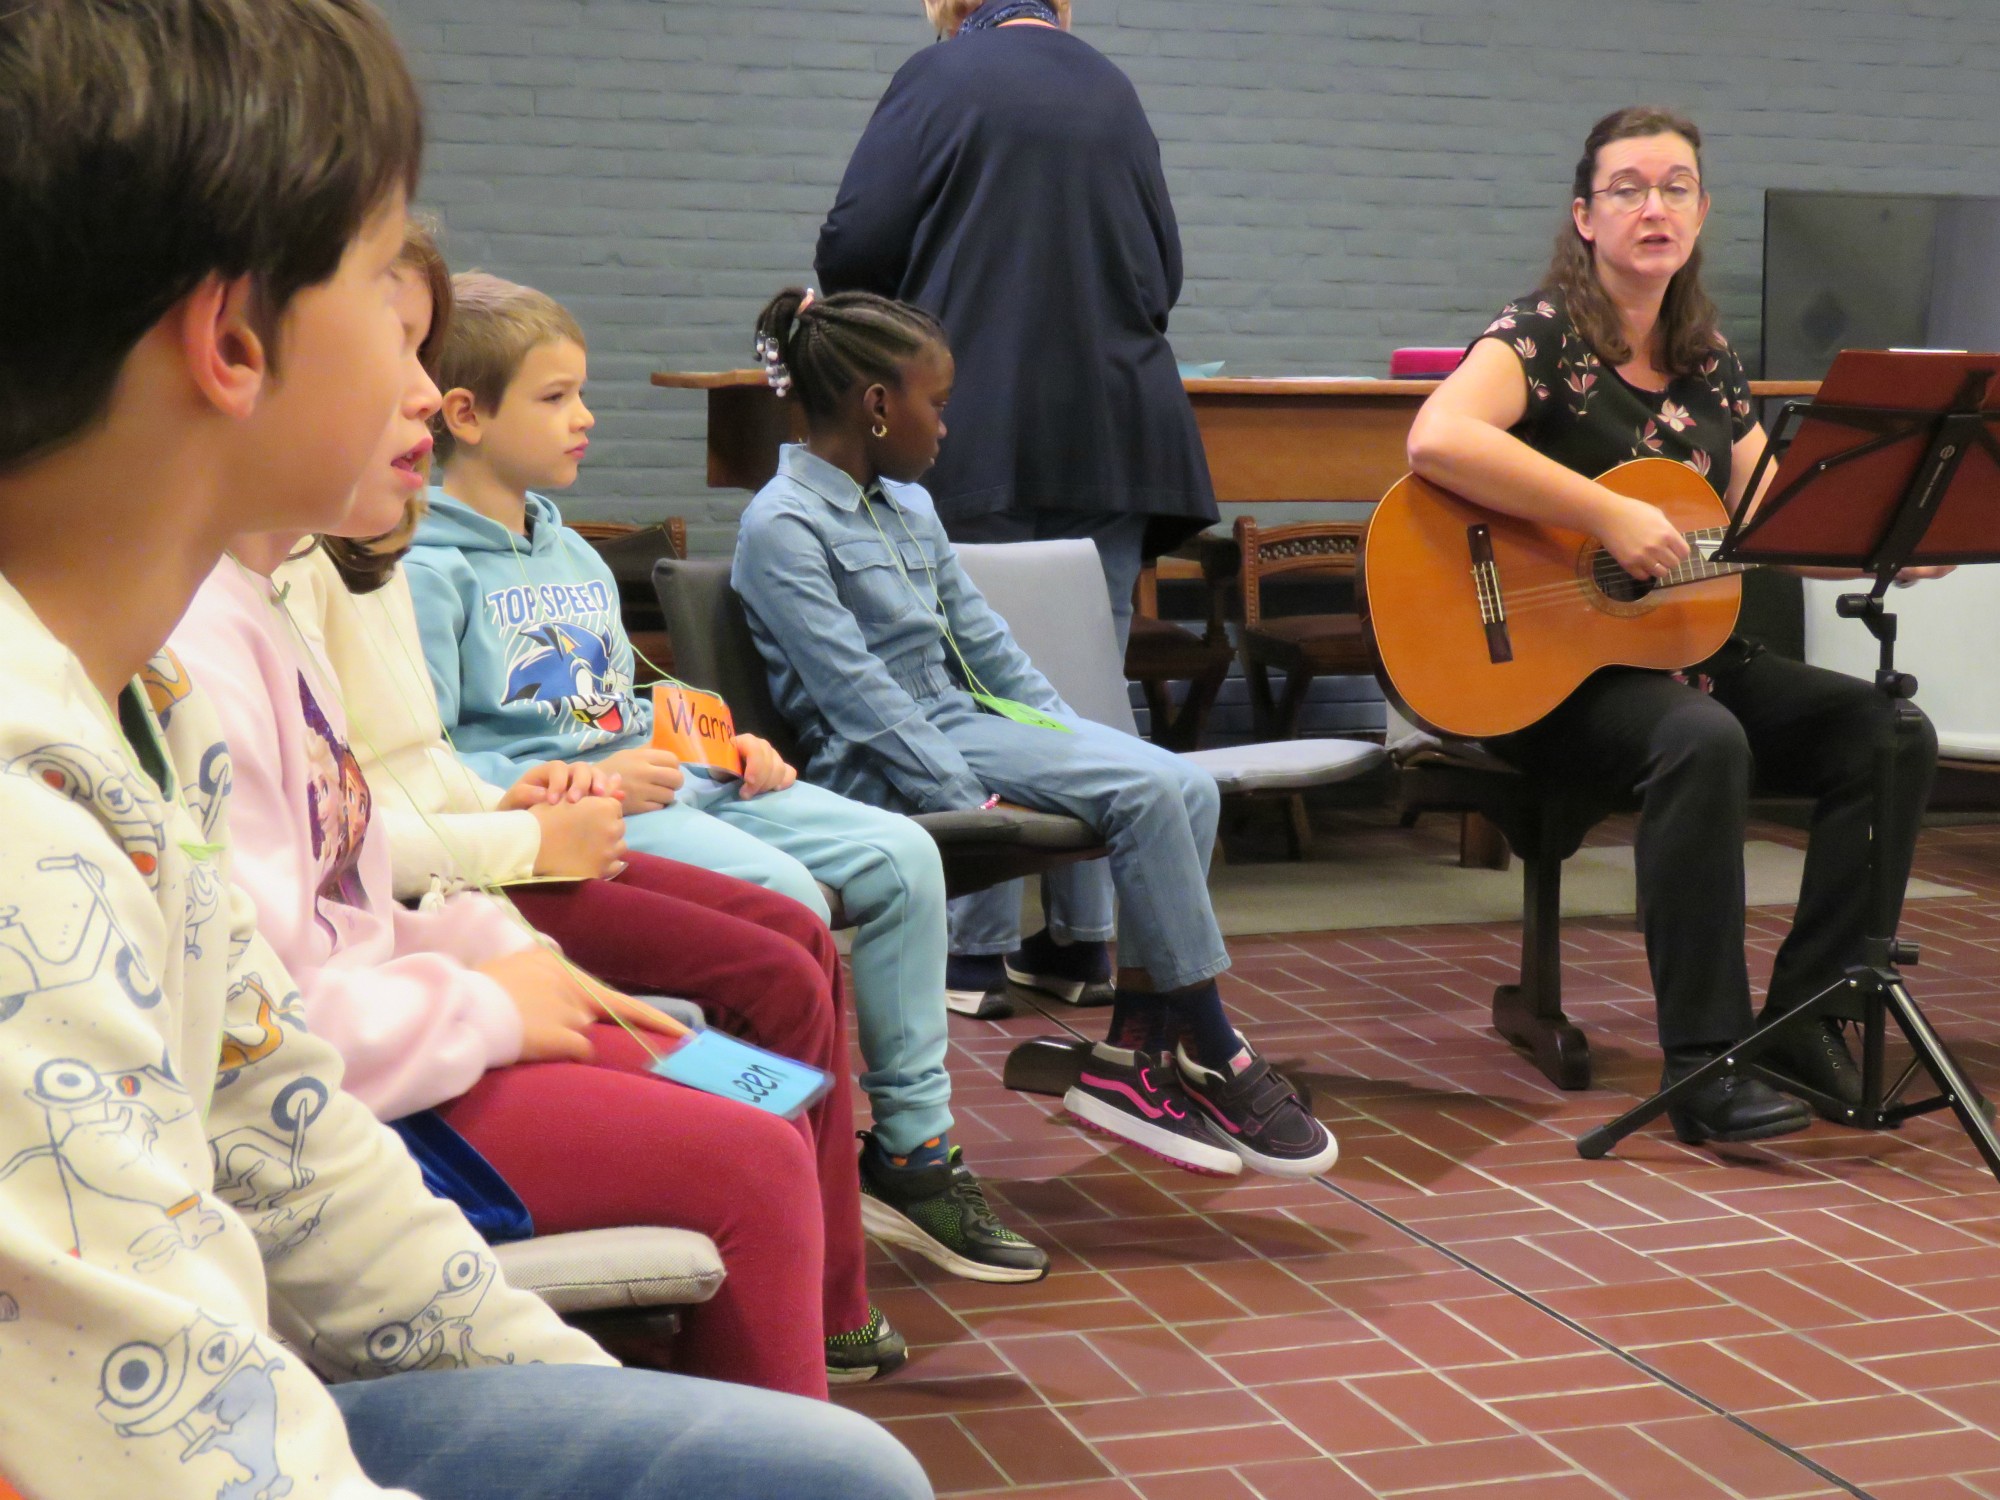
x=764, y=770
x=1909, y=576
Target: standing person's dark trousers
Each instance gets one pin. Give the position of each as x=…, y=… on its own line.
x=1120, y=540
x=1692, y=757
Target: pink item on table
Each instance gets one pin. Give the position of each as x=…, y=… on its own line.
x=1423, y=364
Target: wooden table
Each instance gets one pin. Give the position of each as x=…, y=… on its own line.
x=1269, y=441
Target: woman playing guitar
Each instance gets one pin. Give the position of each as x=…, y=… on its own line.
x=1618, y=357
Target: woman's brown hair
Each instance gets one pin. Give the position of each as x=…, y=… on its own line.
x=366, y=565
x=946, y=16
x=1687, y=332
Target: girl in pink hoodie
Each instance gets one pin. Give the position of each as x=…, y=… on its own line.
x=458, y=1005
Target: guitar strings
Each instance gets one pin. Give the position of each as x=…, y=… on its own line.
x=1567, y=587
x=1697, y=569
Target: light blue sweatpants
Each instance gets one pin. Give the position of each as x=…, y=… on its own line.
x=891, y=882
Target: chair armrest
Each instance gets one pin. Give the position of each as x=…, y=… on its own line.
x=1287, y=765
x=595, y=1270
x=1008, y=825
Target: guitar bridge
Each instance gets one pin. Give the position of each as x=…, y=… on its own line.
x=1492, y=603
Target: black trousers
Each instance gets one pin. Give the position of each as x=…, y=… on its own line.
x=1691, y=758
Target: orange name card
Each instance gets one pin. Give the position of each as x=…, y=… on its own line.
x=696, y=726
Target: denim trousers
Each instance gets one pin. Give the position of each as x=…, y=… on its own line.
x=1155, y=811
x=588, y=1432
x=890, y=881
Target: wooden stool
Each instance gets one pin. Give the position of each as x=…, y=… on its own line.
x=1544, y=829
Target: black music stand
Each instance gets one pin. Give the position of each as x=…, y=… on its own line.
x=1894, y=464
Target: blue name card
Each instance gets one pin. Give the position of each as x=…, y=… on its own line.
x=732, y=1069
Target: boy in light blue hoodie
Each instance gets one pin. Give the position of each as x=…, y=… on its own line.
x=521, y=632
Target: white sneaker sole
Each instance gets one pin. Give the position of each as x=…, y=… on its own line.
x=981, y=1005
x=856, y=1376
x=1168, y=1145
x=1277, y=1166
x=1069, y=991
x=885, y=1224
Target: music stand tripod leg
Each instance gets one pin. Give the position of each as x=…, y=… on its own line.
x=1595, y=1143
x=1880, y=985
x=1975, y=1115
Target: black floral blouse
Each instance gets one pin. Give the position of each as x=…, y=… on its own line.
x=1587, y=417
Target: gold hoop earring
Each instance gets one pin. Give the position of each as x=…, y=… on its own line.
x=880, y=430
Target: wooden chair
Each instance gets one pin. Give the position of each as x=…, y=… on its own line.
x=631, y=550
x=1302, y=647
x=1161, y=653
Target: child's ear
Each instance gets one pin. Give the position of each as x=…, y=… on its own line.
x=225, y=351
x=875, y=402
x=461, y=416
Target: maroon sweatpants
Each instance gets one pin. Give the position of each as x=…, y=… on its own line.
x=765, y=969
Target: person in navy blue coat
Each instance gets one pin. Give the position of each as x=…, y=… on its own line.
x=1010, y=185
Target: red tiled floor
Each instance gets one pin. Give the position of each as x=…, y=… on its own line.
x=1268, y=1340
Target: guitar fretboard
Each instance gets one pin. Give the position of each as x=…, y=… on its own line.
x=1700, y=563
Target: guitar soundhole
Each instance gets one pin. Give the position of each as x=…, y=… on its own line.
x=1614, y=582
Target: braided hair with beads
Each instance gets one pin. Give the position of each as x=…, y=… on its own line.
x=817, y=349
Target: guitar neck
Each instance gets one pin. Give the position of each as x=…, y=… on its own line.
x=1701, y=563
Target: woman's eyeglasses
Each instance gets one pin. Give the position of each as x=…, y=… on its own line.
x=1677, y=194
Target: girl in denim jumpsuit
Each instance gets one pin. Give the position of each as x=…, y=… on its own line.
x=907, y=691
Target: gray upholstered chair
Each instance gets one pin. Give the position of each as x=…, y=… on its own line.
x=713, y=650
x=1052, y=596
x=624, y=1287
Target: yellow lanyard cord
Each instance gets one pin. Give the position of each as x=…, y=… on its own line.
x=660, y=672
x=588, y=983
x=936, y=611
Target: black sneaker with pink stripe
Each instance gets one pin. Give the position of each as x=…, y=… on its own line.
x=1138, y=1098
x=1250, y=1108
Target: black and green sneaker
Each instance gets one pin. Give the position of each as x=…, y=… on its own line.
x=871, y=1350
x=941, y=1213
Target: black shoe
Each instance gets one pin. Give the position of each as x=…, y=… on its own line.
x=976, y=985
x=1815, y=1053
x=941, y=1212
x=869, y=1351
x=1074, y=973
x=1730, y=1106
x=1138, y=1098
x=1258, y=1115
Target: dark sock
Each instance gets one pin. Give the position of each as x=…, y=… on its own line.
x=1211, y=1040
x=1044, y=954
x=931, y=1153
x=1135, y=1021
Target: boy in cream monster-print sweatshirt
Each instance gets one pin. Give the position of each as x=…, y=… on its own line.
x=184, y=1183
x=196, y=1223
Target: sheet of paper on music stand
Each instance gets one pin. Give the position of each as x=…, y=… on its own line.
x=1872, y=484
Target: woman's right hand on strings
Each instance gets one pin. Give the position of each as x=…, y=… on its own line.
x=581, y=840
x=1646, y=544
x=556, y=1013
x=650, y=776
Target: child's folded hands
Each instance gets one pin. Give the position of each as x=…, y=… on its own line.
x=649, y=776
x=581, y=840
x=764, y=770
x=561, y=780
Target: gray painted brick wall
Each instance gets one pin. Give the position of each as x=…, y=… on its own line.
x=1350, y=175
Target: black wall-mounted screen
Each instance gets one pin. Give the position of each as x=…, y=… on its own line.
x=1876, y=271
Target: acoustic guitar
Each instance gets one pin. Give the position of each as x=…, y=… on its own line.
x=1482, y=622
